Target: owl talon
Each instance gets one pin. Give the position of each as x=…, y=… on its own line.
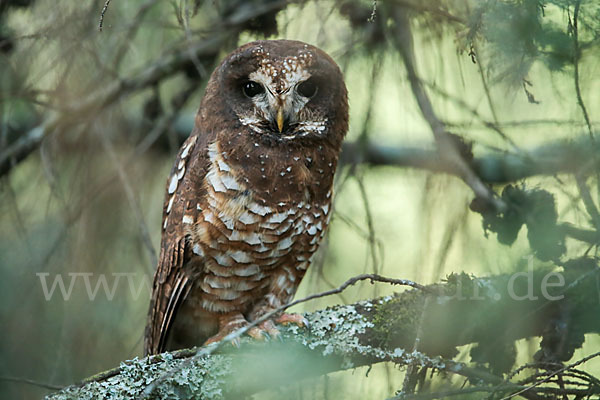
x=229, y=323
x=236, y=342
x=258, y=334
x=296, y=319
x=269, y=328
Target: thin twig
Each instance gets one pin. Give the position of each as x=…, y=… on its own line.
x=188, y=38
x=373, y=12
x=30, y=382
x=133, y=200
x=101, y=23
x=588, y=202
x=576, y=69
x=374, y=243
x=132, y=30
x=566, y=368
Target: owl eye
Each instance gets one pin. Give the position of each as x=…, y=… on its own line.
x=308, y=88
x=252, y=88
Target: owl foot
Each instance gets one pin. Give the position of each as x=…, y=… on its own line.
x=265, y=331
x=230, y=323
x=268, y=329
x=296, y=319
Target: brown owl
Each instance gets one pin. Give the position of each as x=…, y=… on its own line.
x=249, y=197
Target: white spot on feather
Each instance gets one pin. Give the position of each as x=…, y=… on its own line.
x=230, y=182
x=278, y=218
x=247, y=218
x=223, y=166
x=282, y=281
x=215, y=181
x=186, y=150
x=170, y=204
x=223, y=260
x=240, y=257
x=173, y=184
x=197, y=250
x=258, y=209
x=251, y=238
x=227, y=221
x=284, y=244
x=209, y=217
x=247, y=270
x=302, y=266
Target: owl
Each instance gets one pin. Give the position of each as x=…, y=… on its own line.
x=249, y=198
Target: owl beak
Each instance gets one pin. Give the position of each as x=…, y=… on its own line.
x=279, y=119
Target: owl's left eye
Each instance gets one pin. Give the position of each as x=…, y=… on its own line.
x=252, y=88
x=308, y=88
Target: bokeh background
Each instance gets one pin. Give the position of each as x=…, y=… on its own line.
x=90, y=121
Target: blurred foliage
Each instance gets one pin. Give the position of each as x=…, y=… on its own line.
x=537, y=210
x=518, y=33
x=504, y=76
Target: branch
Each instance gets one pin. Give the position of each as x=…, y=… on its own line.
x=369, y=332
x=559, y=157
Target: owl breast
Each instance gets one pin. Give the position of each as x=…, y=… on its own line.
x=250, y=248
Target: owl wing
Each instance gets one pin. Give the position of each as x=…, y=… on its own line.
x=172, y=281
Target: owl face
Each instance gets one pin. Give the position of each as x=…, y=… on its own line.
x=284, y=89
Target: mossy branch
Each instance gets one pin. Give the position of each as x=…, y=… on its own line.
x=492, y=312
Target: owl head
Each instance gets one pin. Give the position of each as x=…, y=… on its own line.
x=283, y=90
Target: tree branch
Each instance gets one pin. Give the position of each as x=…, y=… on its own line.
x=559, y=157
x=369, y=332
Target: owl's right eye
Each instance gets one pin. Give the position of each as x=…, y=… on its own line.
x=252, y=88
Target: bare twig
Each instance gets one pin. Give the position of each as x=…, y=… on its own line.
x=132, y=30
x=576, y=68
x=101, y=23
x=565, y=368
x=133, y=201
x=374, y=243
x=373, y=12
x=588, y=202
x=188, y=38
x=30, y=382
